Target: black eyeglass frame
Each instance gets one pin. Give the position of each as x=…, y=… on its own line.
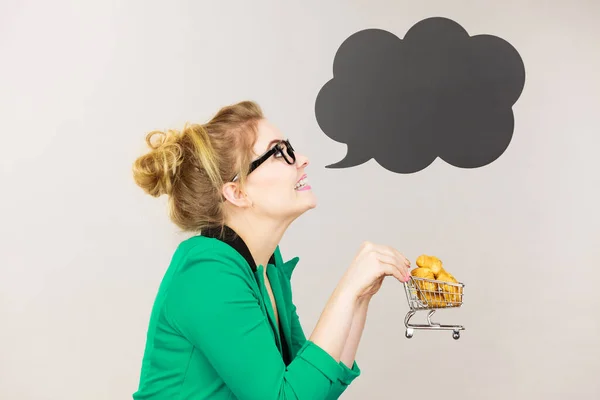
x=277, y=148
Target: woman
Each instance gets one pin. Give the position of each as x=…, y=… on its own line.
x=224, y=324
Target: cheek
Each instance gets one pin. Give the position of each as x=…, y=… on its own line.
x=279, y=175
x=274, y=186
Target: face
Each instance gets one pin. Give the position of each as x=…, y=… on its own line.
x=276, y=188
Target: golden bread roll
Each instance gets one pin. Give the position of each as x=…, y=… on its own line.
x=436, y=294
x=425, y=273
x=451, y=293
x=431, y=262
x=427, y=291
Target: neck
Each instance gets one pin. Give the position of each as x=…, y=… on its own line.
x=260, y=235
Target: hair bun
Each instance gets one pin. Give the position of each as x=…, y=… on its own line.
x=156, y=170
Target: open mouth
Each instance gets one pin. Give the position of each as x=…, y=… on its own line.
x=302, y=183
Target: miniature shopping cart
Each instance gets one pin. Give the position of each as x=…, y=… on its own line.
x=431, y=295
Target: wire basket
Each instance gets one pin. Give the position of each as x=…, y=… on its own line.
x=432, y=295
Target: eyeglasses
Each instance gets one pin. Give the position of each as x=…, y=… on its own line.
x=281, y=149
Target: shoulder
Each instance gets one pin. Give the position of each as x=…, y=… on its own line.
x=206, y=248
x=205, y=259
x=208, y=275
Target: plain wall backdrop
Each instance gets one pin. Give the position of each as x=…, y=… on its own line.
x=82, y=249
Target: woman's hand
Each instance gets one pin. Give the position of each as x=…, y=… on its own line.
x=351, y=296
x=369, y=268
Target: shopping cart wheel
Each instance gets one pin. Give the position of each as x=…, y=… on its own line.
x=409, y=333
x=456, y=335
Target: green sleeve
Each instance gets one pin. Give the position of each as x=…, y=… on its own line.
x=344, y=381
x=347, y=375
x=212, y=303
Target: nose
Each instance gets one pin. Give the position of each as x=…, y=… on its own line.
x=301, y=161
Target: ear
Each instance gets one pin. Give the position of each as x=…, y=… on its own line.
x=233, y=194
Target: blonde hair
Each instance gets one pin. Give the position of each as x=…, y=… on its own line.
x=191, y=166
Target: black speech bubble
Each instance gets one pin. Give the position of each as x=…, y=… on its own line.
x=436, y=93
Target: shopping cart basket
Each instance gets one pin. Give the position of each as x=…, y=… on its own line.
x=431, y=295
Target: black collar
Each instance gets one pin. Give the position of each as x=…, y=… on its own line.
x=230, y=237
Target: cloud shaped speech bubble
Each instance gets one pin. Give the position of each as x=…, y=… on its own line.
x=436, y=93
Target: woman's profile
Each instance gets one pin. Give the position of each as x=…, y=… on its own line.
x=224, y=324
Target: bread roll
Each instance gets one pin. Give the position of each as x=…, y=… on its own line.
x=425, y=273
x=452, y=294
x=431, y=262
x=427, y=291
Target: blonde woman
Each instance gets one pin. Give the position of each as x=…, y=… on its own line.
x=224, y=324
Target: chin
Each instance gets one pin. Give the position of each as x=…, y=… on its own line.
x=302, y=211
x=305, y=205
x=310, y=200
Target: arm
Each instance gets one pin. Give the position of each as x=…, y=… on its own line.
x=334, y=324
x=358, y=325
x=348, y=364
x=350, y=345
x=212, y=303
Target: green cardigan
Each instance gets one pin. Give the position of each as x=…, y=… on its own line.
x=212, y=332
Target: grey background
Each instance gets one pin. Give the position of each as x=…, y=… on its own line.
x=83, y=249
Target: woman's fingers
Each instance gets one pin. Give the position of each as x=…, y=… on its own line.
x=401, y=256
x=391, y=266
x=401, y=262
x=391, y=269
x=392, y=251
